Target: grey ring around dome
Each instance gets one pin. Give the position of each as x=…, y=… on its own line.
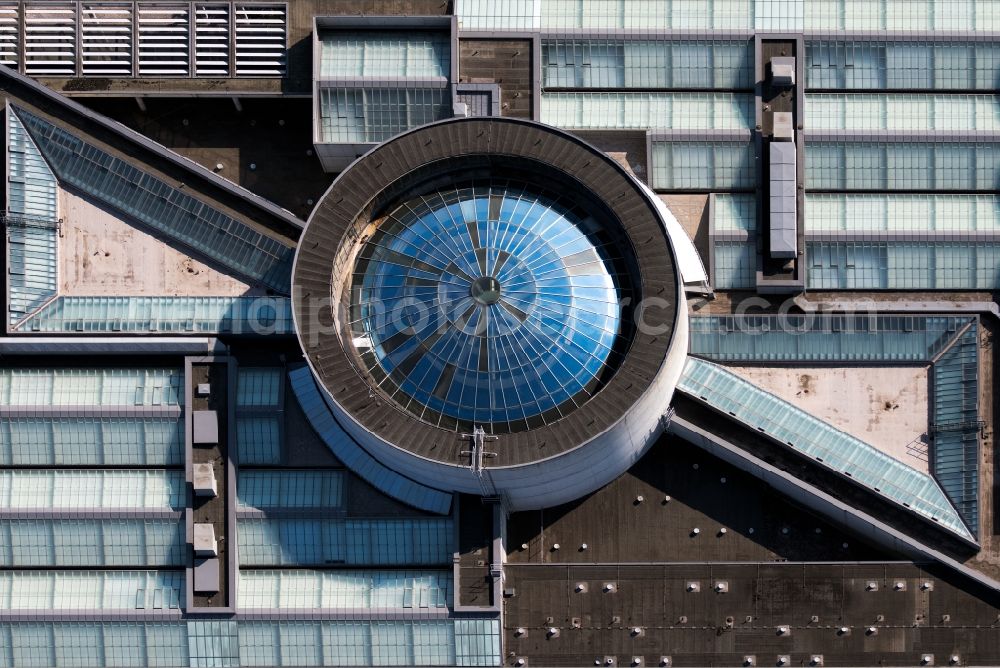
x=536, y=455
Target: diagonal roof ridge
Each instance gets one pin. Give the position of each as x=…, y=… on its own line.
x=161, y=151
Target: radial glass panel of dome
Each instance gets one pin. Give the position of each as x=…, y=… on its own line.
x=492, y=304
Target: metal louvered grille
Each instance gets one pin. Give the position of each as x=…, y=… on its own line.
x=9, y=29
x=211, y=40
x=50, y=39
x=144, y=38
x=260, y=40
x=164, y=40
x=106, y=38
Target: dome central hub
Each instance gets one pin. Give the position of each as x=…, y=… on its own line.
x=485, y=290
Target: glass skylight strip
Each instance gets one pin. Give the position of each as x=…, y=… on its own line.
x=371, y=115
x=352, y=542
x=31, y=248
x=956, y=424
x=344, y=589
x=634, y=63
x=903, y=265
x=94, y=543
x=816, y=439
x=210, y=643
x=716, y=166
x=379, y=54
x=901, y=15
x=187, y=315
x=822, y=338
x=56, y=441
x=735, y=266
x=291, y=489
x=900, y=166
x=666, y=111
x=258, y=439
x=259, y=387
x=39, y=387
x=885, y=213
x=91, y=489
x=873, y=65
x=91, y=590
x=900, y=111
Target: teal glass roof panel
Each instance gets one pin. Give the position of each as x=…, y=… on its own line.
x=902, y=111
x=136, y=543
x=735, y=213
x=290, y=489
x=151, y=201
x=259, y=387
x=55, y=441
x=945, y=65
x=634, y=63
x=91, y=489
x=31, y=244
x=956, y=424
x=684, y=165
x=647, y=110
x=91, y=590
x=382, y=54
x=300, y=589
x=374, y=542
x=823, y=338
x=903, y=265
x=91, y=387
x=220, y=643
x=735, y=266
x=900, y=15
x=886, y=213
x=258, y=439
x=818, y=440
x=902, y=166
x=350, y=115
x=354, y=457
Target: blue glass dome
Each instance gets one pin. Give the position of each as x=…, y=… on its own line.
x=495, y=304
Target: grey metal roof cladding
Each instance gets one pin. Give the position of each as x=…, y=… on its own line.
x=782, y=219
x=354, y=456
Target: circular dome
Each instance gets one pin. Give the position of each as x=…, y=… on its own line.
x=498, y=275
x=492, y=304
